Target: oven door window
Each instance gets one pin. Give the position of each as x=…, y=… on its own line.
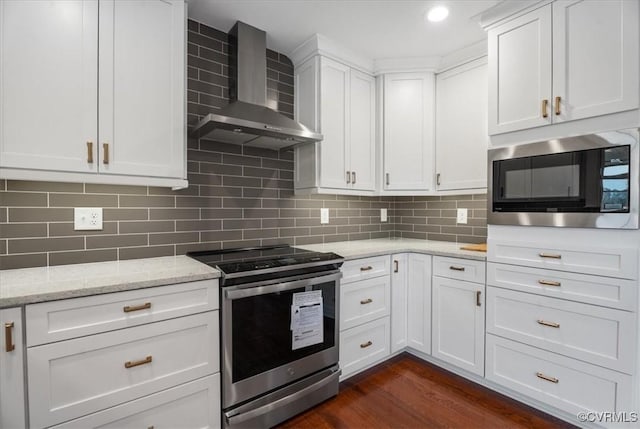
x=262, y=335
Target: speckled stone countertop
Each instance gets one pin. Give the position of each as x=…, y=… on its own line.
x=385, y=246
x=30, y=285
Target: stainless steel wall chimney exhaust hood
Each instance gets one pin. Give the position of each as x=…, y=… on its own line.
x=247, y=120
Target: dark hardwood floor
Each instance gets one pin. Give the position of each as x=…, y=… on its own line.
x=406, y=392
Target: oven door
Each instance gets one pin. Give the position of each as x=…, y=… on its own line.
x=262, y=347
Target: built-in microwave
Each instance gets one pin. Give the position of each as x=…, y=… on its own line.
x=588, y=181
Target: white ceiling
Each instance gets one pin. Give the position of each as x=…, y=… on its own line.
x=376, y=29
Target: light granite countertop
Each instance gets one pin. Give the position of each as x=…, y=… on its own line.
x=385, y=246
x=30, y=285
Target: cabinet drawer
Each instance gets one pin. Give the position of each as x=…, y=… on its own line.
x=366, y=268
x=604, y=291
x=460, y=269
x=73, y=378
x=364, y=345
x=70, y=318
x=561, y=382
x=597, y=335
x=603, y=261
x=364, y=301
x=192, y=405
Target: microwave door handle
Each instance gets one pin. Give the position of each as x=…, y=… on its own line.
x=280, y=287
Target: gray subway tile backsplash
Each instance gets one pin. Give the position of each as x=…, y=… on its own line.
x=237, y=196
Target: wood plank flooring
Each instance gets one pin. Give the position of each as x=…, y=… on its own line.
x=406, y=392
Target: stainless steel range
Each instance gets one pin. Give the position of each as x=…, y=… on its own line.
x=279, y=318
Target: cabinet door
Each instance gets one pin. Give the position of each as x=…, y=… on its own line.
x=419, y=302
x=142, y=105
x=334, y=120
x=12, y=411
x=399, y=302
x=458, y=323
x=461, y=151
x=520, y=72
x=362, y=153
x=48, y=84
x=595, y=58
x=408, y=131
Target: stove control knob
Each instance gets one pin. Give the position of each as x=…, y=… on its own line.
x=291, y=371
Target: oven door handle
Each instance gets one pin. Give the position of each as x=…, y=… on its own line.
x=280, y=287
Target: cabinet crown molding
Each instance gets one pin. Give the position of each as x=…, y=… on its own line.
x=319, y=44
x=507, y=9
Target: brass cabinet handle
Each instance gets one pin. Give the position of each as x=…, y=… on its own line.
x=456, y=268
x=550, y=324
x=546, y=377
x=478, y=300
x=348, y=177
x=105, y=149
x=550, y=255
x=387, y=178
x=558, y=99
x=549, y=283
x=365, y=345
x=438, y=179
x=367, y=268
x=90, y=152
x=130, y=308
x=396, y=266
x=545, y=105
x=353, y=177
x=366, y=301
x=8, y=337
x=130, y=364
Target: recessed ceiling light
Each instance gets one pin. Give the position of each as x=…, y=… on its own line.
x=437, y=14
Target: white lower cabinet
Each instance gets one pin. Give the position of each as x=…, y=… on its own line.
x=399, y=318
x=419, y=302
x=12, y=405
x=364, y=345
x=458, y=323
x=364, y=301
x=194, y=405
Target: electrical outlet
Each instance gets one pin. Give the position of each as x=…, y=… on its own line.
x=324, y=216
x=462, y=216
x=87, y=219
x=383, y=215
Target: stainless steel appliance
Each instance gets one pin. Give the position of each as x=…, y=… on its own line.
x=279, y=321
x=589, y=181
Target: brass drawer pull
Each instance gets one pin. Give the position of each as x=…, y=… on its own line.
x=130, y=364
x=367, y=268
x=550, y=255
x=105, y=149
x=365, y=345
x=546, y=377
x=478, y=300
x=455, y=268
x=396, y=266
x=548, y=283
x=551, y=324
x=545, y=105
x=558, y=99
x=8, y=337
x=90, y=152
x=130, y=308
x=366, y=301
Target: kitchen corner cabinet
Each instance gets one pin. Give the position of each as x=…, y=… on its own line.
x=461, y=151
x=554, y=64
x=399, y=318
x=459, y=312
x=338, y=102
x=12, y=400
x=408, y=137
x=419, y=302
x=94, y=92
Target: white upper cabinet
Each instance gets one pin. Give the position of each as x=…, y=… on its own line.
x=338, y=102
x=408, y=131
x=565, y=61
x=94, y=87
x=48, y=85
x=461, y=127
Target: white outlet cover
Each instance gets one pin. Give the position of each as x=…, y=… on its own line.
x=87, y=219
x=462, y=216
x=324, y=216
x=383, y=215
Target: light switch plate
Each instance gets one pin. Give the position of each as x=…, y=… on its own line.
x=324, y=216
x=462, y=216
x=87, y=219
x=383, y=215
